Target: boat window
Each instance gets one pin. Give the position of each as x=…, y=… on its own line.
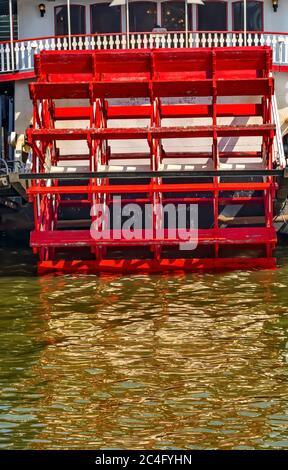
x=5, y=21
x=142, y=16
x=212, y=16
x=105, y=19
x=173, y=16
x=77, y=20
x=254, y=16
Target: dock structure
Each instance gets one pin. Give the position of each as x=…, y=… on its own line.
x=102, y=133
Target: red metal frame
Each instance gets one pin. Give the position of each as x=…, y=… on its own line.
x=152, y=74
x=11, y=77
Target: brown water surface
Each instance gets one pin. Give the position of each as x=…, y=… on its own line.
x=140, y=362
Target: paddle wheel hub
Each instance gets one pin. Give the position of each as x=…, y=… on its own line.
x=122, y=138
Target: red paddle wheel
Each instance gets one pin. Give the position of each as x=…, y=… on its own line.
x=151, y=128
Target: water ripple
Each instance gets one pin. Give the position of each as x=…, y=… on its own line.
x=190, y=362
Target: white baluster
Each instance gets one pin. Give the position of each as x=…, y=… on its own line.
x=74, y=44
x=274, y=48
x=132, y=41
x=190, y=40
x=286, y=50
x=7, y=51
x=169, y=40
x=163, y=40
x=228, y=40
x=32, y=49
x=181, y=40
x=105, y=42
x=27, y=54
x=215, y=38
x=2, y=66
x=111, y=42
x=86, y=43
x=138, y=41
x=80, y=43
x=256, y=39
x=145, y=41
x=234, y=40
x=124, y=41
x=59, y=44
x=151, y=41
x=41, y=45
x=175, y=40
x=53, y=45
x=17, y=59
x=240, y=40
x=281, y=49
x=268, y=40
x=93, y=43
x=117, y=42
x=209, y=40
x=203, y=40
x=157, y=41
x=99, y=42
x=221, y=40
x=197, y=40
x=65, y=44
x=47, y=45
x=249, y=40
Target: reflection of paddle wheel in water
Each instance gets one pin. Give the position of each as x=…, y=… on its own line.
x=182, y=163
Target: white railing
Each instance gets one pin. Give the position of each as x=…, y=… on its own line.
x=23, y=51
x=278, y=149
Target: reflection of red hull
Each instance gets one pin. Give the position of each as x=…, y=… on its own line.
x=154, y=266
x=154, y=75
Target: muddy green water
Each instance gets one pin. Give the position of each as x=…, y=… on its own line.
x=140, y=362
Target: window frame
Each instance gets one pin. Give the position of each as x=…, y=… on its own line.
x=143, y=1
x=232, y=14
x=190, y=14
x=212, y=1
x=74, y=5
x=103, y=4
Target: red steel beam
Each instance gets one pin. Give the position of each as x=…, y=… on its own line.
x=229, y=59
x=47, y=135
x=167, y=111
x=226, y=236
x=143, y=88
x=149, y=188
x=166, y=155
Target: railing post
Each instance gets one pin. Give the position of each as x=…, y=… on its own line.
x=11, y=35
x=280, y=49
x=245, y=22
x=69, y=23
x=127, y=23
x=278, y=136
x=2, y=60
x=186, y=23
x=286, y=50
